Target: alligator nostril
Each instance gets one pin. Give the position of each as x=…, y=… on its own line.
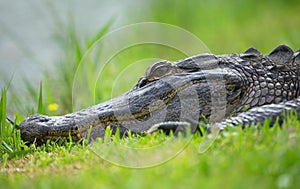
x=44, y=120
x=39, y=118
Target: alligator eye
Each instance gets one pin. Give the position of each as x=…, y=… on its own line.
x=160, y=71
x=142, y=82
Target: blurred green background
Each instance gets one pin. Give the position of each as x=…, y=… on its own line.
x=232, y=26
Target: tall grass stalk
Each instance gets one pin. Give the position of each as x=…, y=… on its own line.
x=40, y=109
x=5, y=128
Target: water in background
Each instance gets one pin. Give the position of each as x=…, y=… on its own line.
x=28, y=28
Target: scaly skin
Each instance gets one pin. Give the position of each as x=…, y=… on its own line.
x=172, y=93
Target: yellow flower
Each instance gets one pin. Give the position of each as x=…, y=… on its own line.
x=53, y=107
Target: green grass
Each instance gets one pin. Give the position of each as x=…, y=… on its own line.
x=259, y=156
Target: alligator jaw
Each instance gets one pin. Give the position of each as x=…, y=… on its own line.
x=179, y=97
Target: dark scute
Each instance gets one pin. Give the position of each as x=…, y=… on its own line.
x=199, y=62
x=252, y=51
x=297, y=56
x=281, y=54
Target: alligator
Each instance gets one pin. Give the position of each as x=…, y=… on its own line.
x=220, y=90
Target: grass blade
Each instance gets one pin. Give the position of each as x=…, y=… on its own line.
x=4, y=131
x=40, y=100
x=100, y=33
x=2, y=114
x=6, y=146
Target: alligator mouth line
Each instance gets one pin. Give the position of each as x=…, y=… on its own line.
x=118, y=112
x=164, y=99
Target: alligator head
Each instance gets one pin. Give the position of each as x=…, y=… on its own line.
x=200, y=87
